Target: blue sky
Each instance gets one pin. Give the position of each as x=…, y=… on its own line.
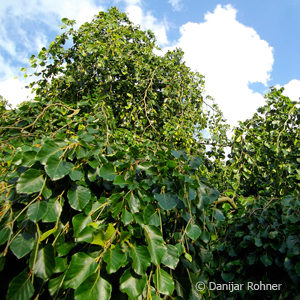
x=242, y=47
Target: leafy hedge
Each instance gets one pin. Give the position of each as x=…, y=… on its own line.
x=90, y=220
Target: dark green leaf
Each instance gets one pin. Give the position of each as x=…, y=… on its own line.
x=227, y=276
x=81, y=267
x=205, y=236
x=53, y=212
x=48, y=149
x=45, y=262
x=4, y=235
x=120, y=181
x=156, y=244
x=115, y=258
x=57, y=168
x=20, y=288
x=163, y=282
x=107, y=172
x=195, y=163
x=30, y=182
x=76, y=175
x=266, y=260
x=132, y=285
x=126, y=217
x=79, y=197
x=166, y=201
x=193, y=231
x=37, y=210
x=171, y=258
x=140, y=259
x=22, y=244
x=219, y=215
x=94, y=288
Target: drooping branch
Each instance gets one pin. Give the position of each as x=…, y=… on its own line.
x=226, y=199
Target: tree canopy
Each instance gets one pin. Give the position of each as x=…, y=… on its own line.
x=109, y=188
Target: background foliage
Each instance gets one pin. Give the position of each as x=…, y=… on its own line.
x=110, y=190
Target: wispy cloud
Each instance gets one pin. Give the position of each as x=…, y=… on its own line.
x=25, y=29
x=176, y=4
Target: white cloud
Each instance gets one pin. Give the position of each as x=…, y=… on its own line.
x=147, y=21
x=50, y=10
x=176, y=4
x=14, y=91
x=292, y=90
x=230, y=55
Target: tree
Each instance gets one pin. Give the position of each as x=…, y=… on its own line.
x=102, y=191
x=261, y=241
x=265, y=149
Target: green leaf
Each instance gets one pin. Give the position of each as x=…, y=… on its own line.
x=205, y=236
x=156, y=244
x=107, y=172
x=82, y=232
x=55, y=284
x=127, y=217
x=57, y=168
x=64, y=248
x=258, y=242
x=227, y=276
x=76, y=175
x=48, y=149
x=219, y=215
x=140, y=259
x=115, y=258
x=61, y=264
x=30, y=182
x=188, y=257
x=79, y=197
x=47, y=192
x=163, y=282
x=171, y=258
x=28, y=158
x=94, y=288
x=20, y=288
x=45, y=262
x=4, y=235
x=133, y=203
x=192, y=194
x=166, y=201
x=132, y=285
x=53, y=212
x=22, y=244
x=81, y=267
x=37, y=210
x=47, y=233
x=177, y=154
x=195, y=163
x=193, y=231
x=266, y=260
x=120, y=181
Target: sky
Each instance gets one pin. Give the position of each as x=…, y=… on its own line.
x=241, y=47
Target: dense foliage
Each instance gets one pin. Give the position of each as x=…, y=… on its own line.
x=110, y=191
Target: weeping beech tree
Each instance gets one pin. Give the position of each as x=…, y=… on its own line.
x=103, y=186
